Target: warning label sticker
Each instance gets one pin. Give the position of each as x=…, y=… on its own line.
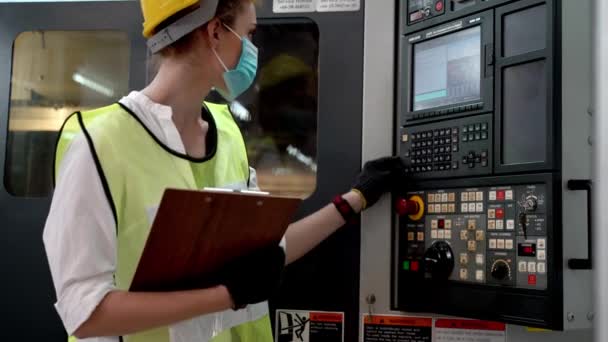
x=293, y=6
x=309, y=326
x=338, y=5
x=466, y=330
x=396, y=329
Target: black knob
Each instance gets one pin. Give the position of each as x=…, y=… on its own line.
x=500, y=270
x=439, y=260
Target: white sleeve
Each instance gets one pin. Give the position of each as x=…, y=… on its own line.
x=253, y=180
x=80, y=237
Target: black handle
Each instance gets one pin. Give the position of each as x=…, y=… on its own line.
x=583, y=264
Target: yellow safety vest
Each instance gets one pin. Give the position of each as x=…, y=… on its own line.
x=136, y=168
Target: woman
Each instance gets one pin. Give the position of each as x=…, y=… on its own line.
x=113, y=164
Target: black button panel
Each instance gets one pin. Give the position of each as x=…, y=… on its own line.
x=455, y=148
x=443, y=112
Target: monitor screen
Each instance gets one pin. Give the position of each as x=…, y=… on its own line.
x=447, y=69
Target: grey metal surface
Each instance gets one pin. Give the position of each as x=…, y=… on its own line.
x=600, y=158
x=378, y=102
x=576, y=155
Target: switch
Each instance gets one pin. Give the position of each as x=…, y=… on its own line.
x=510, y=224
x=500, y=244
x=410, y=236
x=541, y=268
x=540, y=243
x=420, y=236
x=500, y=224
x=431, y=198
x=464, y=197
x=531, y=279
x=479, y=236
x=479, y=196
x=509, y=244
x=500, y=213
x=541, y=255
x=464, y=274
x=464, y=208
x=500, y=195
x=438, y=208
x=472, y=207
x=404, y=138
x=491, y=224
x=441, y=234
x=509, y=195
x=433, y=234
x=492, y=243
x=472, y=225
x=406, y=265
x=472, y=196
x=448, y=234
x=451, y=197
x=464, y=235
x=523, y=267
x=479, y=275
x=464, y=259
x=472, y=246
x=479, y=259
x=431, y=209
x=444, y=208
x=444, y=197
x=492, y=195
x=415, y=266
x=434, y=224
x=531, y=267
x=491, y=213
x=448, y=224
x=451, y=208
x=479, y=207
x=441, y=224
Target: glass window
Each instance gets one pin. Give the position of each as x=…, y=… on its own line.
x=278, y=114
x=525, y=31
x=55, y=73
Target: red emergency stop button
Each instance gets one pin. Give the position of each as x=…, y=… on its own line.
x=407, y=207
x=439, y=6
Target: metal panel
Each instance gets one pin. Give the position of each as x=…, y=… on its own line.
x=23, y=261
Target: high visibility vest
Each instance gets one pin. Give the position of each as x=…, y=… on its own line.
x=135, y=169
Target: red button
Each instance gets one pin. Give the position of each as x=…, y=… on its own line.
x=439, y=6
x=500, y=195
x=414, y=266
x=532, y=279
x=441, y=224
x=407, y=207
x=500, y=213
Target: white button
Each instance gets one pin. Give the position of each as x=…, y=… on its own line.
x=464, y=208
x=472, y=225
x=451, y=207
x=404, y=138
x=448, y=224
x=451, y=197
x=479, y=275
x=531, y=267
x=510, y=224
x=444, y=208
x=433, y=234
x=509, y=195
x=464, y=197
x=508, y=244
x=491, y=224
x=479, y=235
x=464, y=258
x=541, y=243
x=431, y=198
x=479, y=259
x=472, y=246
x=444, y=197
x=433, y=224
x=492, y=195
x=541, y=255
x=500, y=224
x=479, y=207
x=438, y=208
x=463, y=274
x=410, y=236
x=479, y=196
x=541, y=267
x=420, y=236
x=440, y=234
x=491, y=213
x=523, y=267
x=471, y=207
x=463, y=235
x=472, y=196
x=493, y=243
x=500, y=244
x=448, y=234
x=431, y=209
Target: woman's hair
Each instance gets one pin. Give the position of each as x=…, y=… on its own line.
x=227, y=11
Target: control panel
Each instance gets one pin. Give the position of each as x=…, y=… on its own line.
x=419, y=10
x=447, y=149
x=493, y=235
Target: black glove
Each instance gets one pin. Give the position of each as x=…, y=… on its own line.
x=378, y=177
x=253, y=278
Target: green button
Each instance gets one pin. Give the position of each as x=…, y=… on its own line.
x=406, y=265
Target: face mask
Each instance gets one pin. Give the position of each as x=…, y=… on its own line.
x=241, y=77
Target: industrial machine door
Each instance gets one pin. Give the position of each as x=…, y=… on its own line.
x=55, y=58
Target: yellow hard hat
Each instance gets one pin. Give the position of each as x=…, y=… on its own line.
x=157, y=11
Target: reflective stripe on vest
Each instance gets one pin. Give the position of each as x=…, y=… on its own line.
x=135, y=168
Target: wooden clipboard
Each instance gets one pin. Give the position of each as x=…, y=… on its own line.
x=195, y=233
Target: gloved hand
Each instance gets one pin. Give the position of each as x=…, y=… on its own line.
x=378, y=177
x=253, y=278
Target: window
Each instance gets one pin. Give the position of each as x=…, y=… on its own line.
x=55, y=73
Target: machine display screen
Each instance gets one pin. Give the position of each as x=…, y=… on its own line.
x=447, y=69
x=526, y=249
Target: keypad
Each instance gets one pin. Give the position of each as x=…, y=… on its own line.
x=433, y=150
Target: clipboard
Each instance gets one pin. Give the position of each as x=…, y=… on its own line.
x=195, y=233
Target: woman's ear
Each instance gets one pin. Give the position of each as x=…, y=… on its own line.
x=214, y=28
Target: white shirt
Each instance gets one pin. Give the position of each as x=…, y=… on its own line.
x=80, y=233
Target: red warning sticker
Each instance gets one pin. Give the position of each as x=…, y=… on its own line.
x=397, y=328
x=468, y=330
